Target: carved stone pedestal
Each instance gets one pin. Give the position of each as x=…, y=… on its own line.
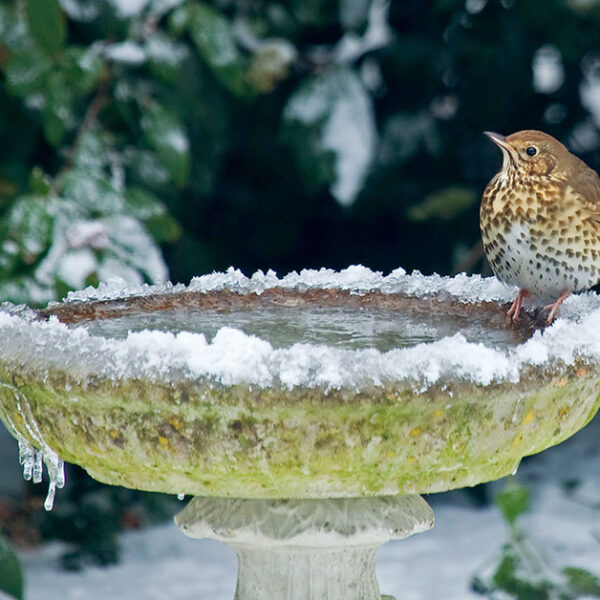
x=306, y=549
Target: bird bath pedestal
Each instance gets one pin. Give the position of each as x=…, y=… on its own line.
x=305, y=414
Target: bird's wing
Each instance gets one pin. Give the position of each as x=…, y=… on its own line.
x=586, y=186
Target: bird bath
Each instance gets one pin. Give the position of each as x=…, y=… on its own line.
x=305, y=414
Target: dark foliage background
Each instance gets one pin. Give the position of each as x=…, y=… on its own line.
x=270, y=134
x=155, y=139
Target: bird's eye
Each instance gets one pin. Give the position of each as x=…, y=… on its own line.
x=531, y=151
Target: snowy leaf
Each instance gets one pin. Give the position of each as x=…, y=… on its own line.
x=81, y=10
x=85, y=68
x=160, y=7
x=27, y=71
x=127, y=53
x=133, y=248
x=165, y=57
x=92, y=192
x=213, y=35
x=331, y=115
x=46, y=24
x=127, y=9
x=167, y=136
x=29, y=223
x=143, y=205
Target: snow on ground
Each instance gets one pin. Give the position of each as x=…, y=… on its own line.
x=160, y=563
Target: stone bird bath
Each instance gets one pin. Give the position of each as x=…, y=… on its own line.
x=305, y=414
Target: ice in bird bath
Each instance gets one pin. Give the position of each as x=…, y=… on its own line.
x=305, y=413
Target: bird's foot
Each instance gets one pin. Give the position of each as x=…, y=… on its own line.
x=515, y=309
x=553, y=308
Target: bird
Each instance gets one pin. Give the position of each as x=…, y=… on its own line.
x=540, y=220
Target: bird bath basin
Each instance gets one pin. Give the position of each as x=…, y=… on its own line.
x=305, y=414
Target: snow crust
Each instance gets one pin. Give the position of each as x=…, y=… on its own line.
x=234, y=357
x=356, y=279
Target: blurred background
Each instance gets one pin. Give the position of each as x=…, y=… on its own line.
x=162, y=139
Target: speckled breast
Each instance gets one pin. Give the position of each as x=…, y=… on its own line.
x=538, y=237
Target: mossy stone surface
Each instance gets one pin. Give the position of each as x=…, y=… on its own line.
x=206, y=439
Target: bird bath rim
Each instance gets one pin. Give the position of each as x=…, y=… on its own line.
x=457, y=415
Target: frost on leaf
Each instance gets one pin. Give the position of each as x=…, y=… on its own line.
x=330, y=125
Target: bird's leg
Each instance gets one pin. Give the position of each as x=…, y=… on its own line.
x=515, y=310
x=553, y=308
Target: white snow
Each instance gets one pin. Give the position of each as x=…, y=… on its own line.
x=161, y=563
x=548, y=70
x=356, y=278
x=128, y=53
x=234, y=357
x=339, y=102
x=129, y=8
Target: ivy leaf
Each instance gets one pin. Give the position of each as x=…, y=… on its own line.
x=213, y=35
x=582, y=582
x=330, y=125
x=46, y=24
x=11, y=576
x=166, y=135
x=513, y=501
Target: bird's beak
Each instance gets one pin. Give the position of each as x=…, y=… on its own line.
x=509, y=153
x=497, y=139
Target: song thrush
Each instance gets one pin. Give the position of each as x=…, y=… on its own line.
x=540, y=219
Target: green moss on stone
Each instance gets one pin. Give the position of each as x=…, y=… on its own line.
x=212, y=440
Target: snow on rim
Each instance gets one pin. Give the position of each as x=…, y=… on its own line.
x=233, y=357
x=356, y=279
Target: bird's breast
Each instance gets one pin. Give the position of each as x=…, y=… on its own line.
x=538, y=239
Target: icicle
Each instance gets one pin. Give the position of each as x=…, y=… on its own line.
x=49, y=502
x=26, y=458
x=38, y=456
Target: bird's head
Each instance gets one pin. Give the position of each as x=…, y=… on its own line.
x=534, y=154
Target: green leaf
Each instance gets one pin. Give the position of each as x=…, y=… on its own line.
x=143, y=205
x=582, y=582
x=27, y=71
x=164, y=228
x=165, y=57
x=11, y=576
x=39, y=182
x=445, y=204
x=57, y=113
x=84, y=69
x=330, y=124
x=213, y=35
x=46, y=24
x=166, y=135
x=513, y=501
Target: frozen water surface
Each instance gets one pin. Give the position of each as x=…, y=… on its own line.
x=336, y=327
